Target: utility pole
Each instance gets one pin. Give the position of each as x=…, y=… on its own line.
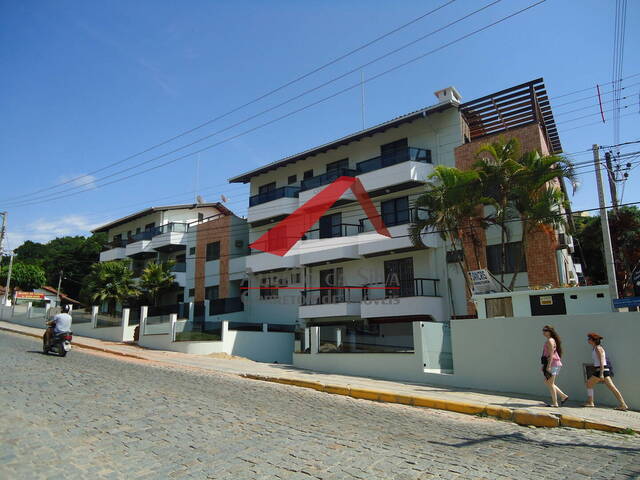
x=604, y=223
x=59, y=284
x=612, y=181
x=6, y=289
x=2, y=230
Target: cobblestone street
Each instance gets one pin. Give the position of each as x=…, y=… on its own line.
x=91, y=416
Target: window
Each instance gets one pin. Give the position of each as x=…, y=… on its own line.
x=269, y=187
x=395, y=212
x=268, y=287
x=138, y=230
x=192, y=251
x=395, y=149
x=129, y=234
x=399, y=280
x=292, y=179
x=149, y=226
x=499, y=307
x=212, y=293
x=513, y=254
x=331, y=226
x=117, y=238
x=200, y=217
x=455, y=256
x=213, y=251
x=333, y=166
x=307, y=174
x=181, y=258
x=192, y=292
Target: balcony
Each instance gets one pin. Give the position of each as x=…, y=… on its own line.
x=403, y=166
x=341, y=301
x=311, y=186
x=114, y=250
x=170, y=237
x=420, y=297
x=265, y=262
x=281, y=201
x=328, y=244
x=398, y=222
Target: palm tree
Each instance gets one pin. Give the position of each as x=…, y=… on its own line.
x=537, y=197
x=451, y=203
x=110, y=282
x=498, y=167
x=157, y=278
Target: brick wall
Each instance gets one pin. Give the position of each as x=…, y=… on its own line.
x=541, y=245
x=218, y=230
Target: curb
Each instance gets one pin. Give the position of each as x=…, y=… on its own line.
x=79, y=345
x=520, y=416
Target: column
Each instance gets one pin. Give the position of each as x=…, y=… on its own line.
x=94, y=316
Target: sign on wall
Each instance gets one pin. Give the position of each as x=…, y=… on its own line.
x=29, y=296
x=483, y=282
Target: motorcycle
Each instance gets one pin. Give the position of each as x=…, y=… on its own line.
x=60, y=344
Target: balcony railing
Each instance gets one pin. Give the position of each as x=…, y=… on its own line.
x=326, y=178
x=221, y=306
x=145, y=235
x=323, y=296
x=397, y=217
x=409, y=154
x=117, y=243
x=340, y=230
x=170, y=227
x=282, y=192
x=418, y=287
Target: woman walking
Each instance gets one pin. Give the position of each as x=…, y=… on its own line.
x=602, y=372
x=551, y=363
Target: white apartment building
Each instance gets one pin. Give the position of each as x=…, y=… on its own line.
x=361, y=289
x=156, y=234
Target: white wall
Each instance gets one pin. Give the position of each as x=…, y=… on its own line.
x=272, y=347
x=503, y=355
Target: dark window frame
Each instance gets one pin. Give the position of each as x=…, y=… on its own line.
x=398, y=214
x=292, y=179
x=494, y=254
x=210, y=251
x=266, y=188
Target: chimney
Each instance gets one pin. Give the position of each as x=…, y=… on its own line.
x=448, y=94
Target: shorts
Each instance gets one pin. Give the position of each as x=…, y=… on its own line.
x=555, y=370
x=596, y=373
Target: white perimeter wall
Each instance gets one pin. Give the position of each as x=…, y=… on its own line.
x=503, y=354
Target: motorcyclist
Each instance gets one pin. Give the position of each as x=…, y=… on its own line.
x=59, y=324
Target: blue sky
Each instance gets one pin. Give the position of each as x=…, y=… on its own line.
x=86, y=84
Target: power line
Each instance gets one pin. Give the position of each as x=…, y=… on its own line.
x=255, y=100
x=357, y=85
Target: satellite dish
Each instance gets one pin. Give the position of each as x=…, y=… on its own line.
x=224, y=199
x=199, y=200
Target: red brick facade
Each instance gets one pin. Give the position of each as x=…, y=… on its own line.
x=218, y=230
x=540, y=251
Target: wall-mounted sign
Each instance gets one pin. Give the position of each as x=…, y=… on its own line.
x=626, y=302
x=482, y=282
x=546, y=300
x=29, y=296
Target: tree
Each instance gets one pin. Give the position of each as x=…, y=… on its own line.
x=156, y=278
x=110, y=282
x=72, y=254
x=625, y=237
x=23, y=276
x=451, y=202
x=537, y=198
x=522, y=188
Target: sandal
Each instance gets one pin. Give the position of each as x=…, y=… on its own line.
x=562, y=401
x=549, y=405
x=621, y=409
x=588, y=405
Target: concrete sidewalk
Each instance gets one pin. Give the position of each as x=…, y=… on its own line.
x=521, y=409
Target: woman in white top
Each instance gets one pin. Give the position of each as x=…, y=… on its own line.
x=602, y=372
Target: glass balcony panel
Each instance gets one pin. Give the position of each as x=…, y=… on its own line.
x=398, y=156
x=282, y=192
